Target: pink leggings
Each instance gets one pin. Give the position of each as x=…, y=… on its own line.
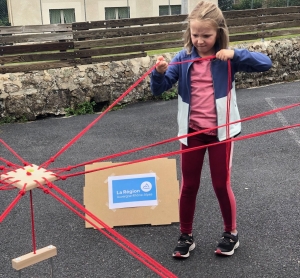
x=191, y=166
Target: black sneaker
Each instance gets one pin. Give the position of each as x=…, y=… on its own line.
x=227, y=244
x=184, y=246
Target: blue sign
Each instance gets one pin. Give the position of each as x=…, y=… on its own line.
x=132, y=190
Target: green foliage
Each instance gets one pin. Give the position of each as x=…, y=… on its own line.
x=4, y=13
x=248, y=4
x=81, y=109
x=256, y=4
x=4, y=21
x=169, y=94
x=225, y=5
x=9, y=120
x=118, y=107
x=115, y=108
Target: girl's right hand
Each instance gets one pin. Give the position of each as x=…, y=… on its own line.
x=162, y=65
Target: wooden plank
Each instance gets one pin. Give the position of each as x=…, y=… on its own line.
x=128, y=40
x=126, y=49
x=31, y=176
x=31, y=258
x=242, y=21
x=128, y=22
x=128, y=31
x=36, y=66
x=36, y=38
x=277, y=25
x=276, y=33
x=258, y=12
x=35, y=28
x=71, y=63
x=242, y=29
x=109, y=58
x=279, y=10
x=36, y=57
x=239, y=14
x=243, y=37
x=278, y=18
x=180, y=18
x=30, y=48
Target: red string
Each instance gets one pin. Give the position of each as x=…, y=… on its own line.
x=172, y=139
x=32, y=224
x=156, y=267
x=10, y=164
x=52, y=159
x=8, y=186
x=13, y=152
x=193, y=60
x=148, y=261
x=12, y=204
x=244, y=137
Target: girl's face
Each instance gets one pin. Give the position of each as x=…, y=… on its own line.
x=203, y=36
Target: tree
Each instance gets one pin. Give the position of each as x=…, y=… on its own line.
x=225, y=5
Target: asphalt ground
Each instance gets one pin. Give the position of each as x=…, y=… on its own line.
x=265, y=179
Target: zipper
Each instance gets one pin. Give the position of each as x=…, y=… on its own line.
x=189, y=90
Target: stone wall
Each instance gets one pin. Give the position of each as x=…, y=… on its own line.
x=49, y=92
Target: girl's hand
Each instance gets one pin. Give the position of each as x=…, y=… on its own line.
x=225, y=54
x=162, y=65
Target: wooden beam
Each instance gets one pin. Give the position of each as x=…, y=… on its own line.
x=30, y=48
x=30, y=258
x=28, y=176
x=35, y=28
x=128, y=31
x=128, y=22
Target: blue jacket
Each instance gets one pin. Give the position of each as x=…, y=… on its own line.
x=243, y=60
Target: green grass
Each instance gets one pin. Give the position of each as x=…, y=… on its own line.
x=81, y=109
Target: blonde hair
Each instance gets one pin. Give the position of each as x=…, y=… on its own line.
x=209, y=12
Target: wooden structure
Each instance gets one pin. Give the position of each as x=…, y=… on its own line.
x=28, y=48
x=31, y=258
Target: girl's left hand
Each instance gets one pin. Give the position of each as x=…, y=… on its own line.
x=225, y=54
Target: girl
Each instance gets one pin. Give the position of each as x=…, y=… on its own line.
x=202, y=104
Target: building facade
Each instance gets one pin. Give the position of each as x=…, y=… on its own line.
x=38, y=12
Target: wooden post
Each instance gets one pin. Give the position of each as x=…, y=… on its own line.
x=31, y=258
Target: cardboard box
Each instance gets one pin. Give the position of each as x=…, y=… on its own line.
x=96, y=200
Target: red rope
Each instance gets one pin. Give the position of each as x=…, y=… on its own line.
x=32, y=224
x=244, y=137
x=13, y=152
x=12, y=205
x=147, y=260
x=8, y=186
x=10, y=164
x=52, y=159
x=172, y=139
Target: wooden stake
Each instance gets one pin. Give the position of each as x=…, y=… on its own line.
x=30, y=258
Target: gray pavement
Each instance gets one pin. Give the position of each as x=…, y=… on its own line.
x=265, y=179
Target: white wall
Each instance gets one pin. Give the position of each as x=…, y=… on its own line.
x=77, y=5
x=29, y=12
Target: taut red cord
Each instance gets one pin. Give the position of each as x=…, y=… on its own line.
x=32, y=224
x=147, y=260
x=240, y=138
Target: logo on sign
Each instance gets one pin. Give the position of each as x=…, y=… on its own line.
x=146, y=186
